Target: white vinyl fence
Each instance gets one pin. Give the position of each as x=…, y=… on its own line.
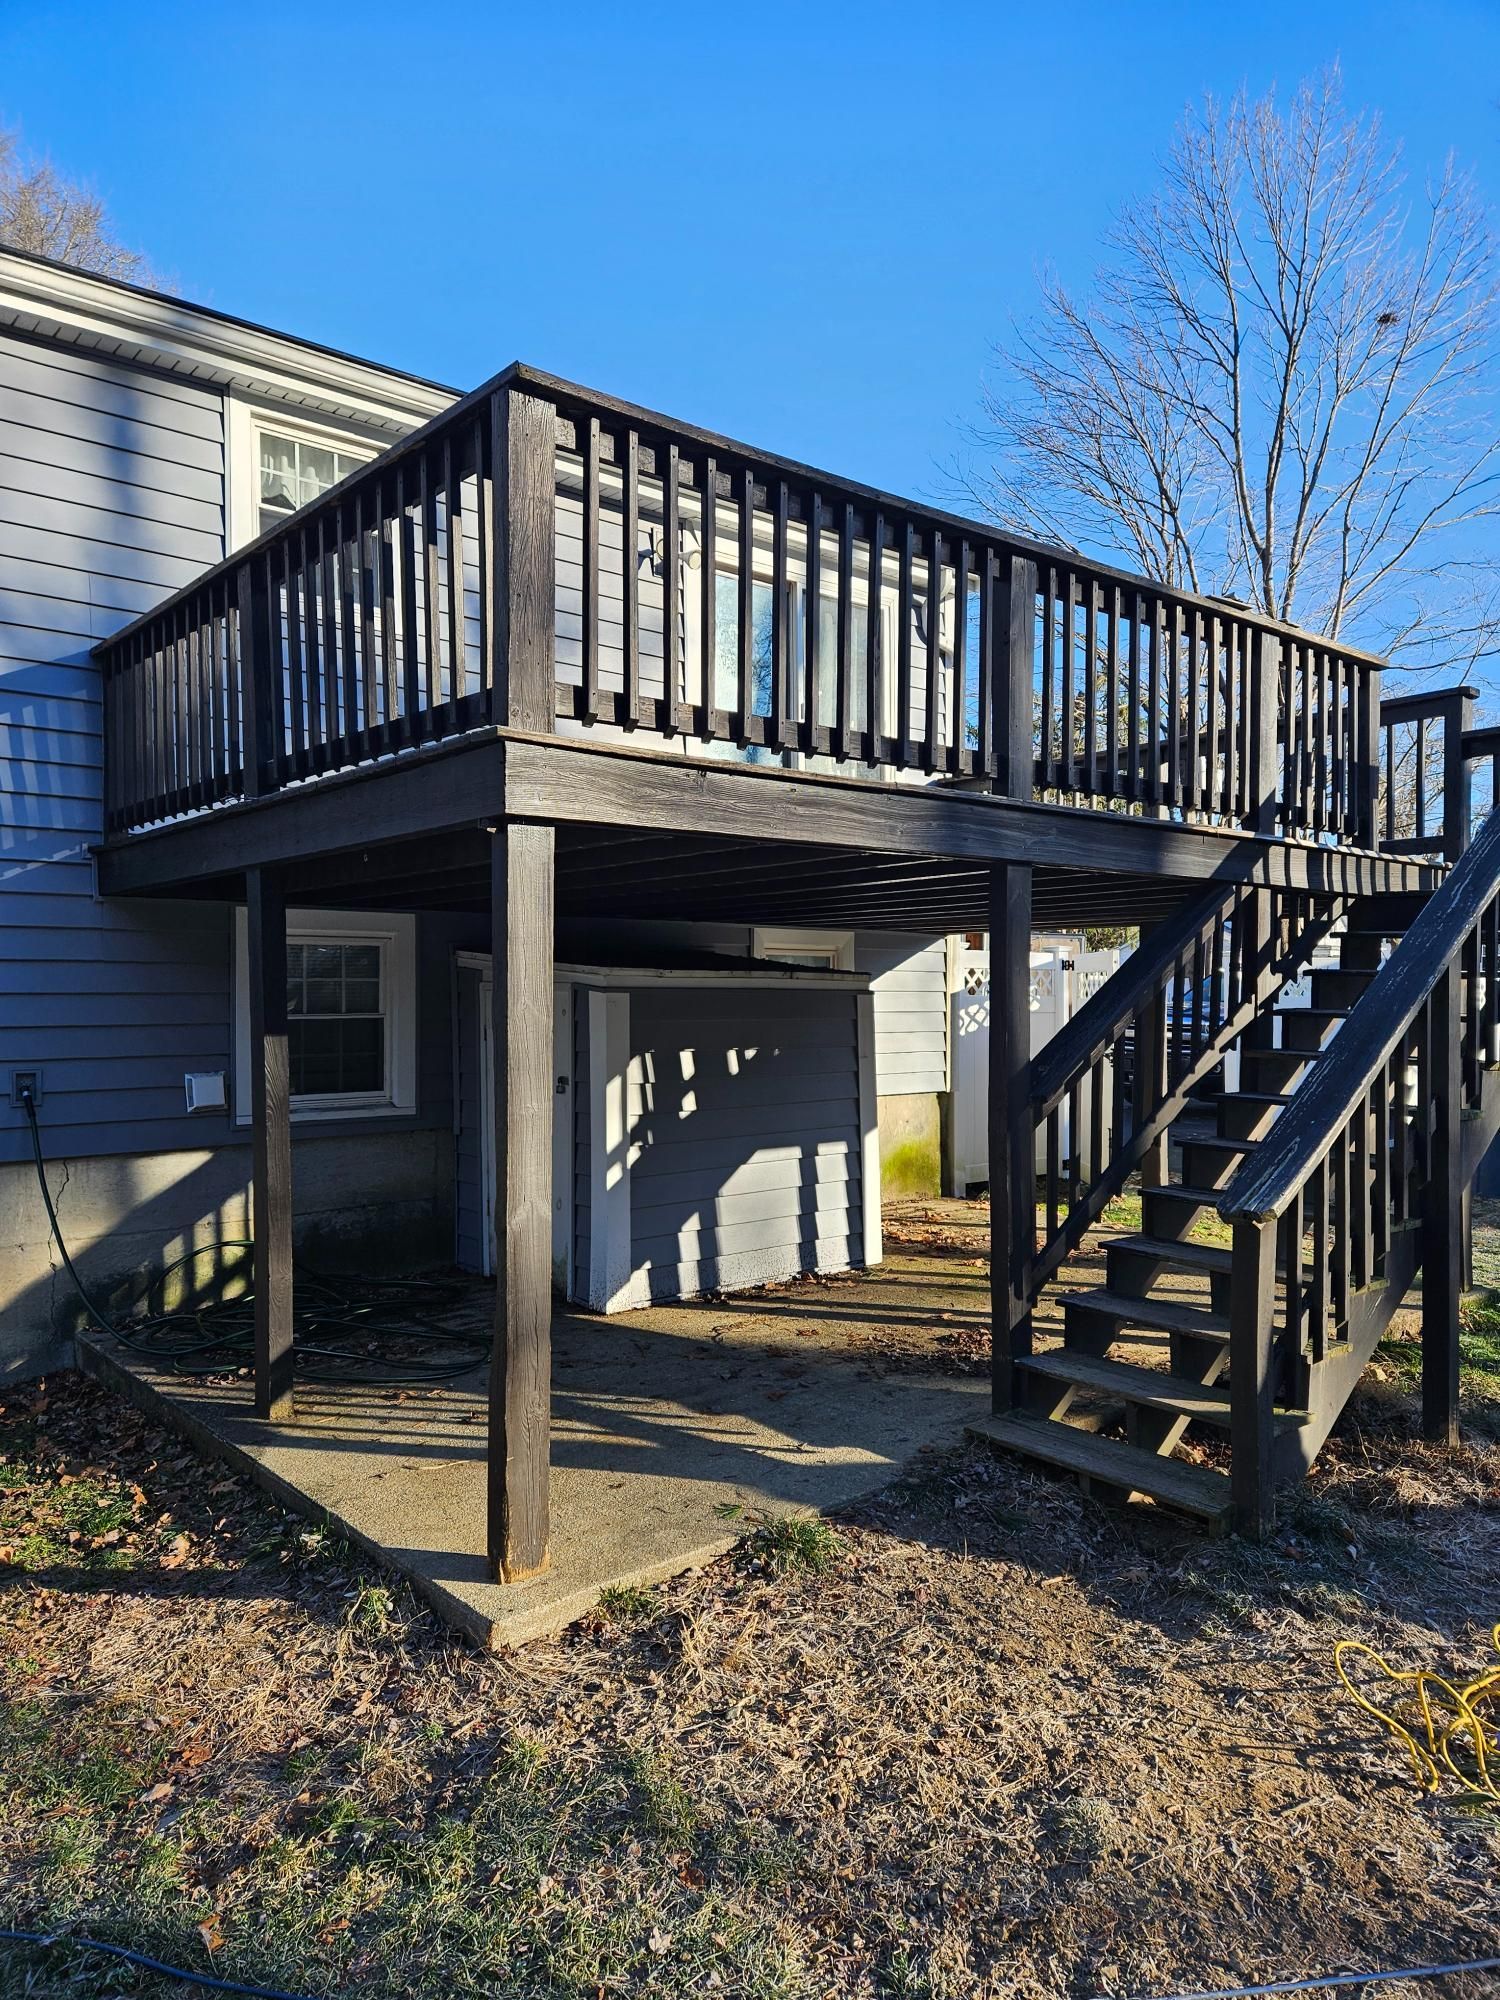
x=1061, y=980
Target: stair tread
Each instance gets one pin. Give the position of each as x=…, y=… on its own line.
x=1316, y=1013
x=1218, y=1145
x=1185, y=1191
x=1261, y=1097
x=1192, y=1256
x=1307, y=1055
x=1161, y=1315
x=1150, y=1386
x=1191, y=1489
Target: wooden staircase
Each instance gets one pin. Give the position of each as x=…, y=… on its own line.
x=1249, y=1349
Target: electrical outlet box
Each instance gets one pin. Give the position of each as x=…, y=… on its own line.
x=24, y=1083
x=204, y=1090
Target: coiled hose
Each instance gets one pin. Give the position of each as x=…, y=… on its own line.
x=1438, y=1718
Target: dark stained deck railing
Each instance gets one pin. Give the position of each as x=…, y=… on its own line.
x=543, y=558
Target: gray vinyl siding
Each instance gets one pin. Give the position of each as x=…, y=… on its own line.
x=111, y=496
x=747, y=1167
x=468, y=1190
x=582, y=1213
x=909, y=979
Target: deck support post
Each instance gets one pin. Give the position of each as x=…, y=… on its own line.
x=1458, y=775
x=1012, y=1168
x=1259, y=940
x=1150, y=1081
x=1252, y=1381
x=1443, y=1217
x=1266, y=726
x=271, y=1142
x=520, y=1428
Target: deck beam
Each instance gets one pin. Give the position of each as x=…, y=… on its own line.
x=472, y=781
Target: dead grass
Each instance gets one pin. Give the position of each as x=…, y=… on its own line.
x=994, y=1740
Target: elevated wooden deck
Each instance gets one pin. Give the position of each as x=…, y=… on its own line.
x=554, y=657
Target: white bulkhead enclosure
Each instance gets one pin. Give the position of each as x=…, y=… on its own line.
x=713, y=1130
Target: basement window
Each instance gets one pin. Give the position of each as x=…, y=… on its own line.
x=830, y=950
x=351, y=1015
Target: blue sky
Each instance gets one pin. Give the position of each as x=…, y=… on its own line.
x=802, y=227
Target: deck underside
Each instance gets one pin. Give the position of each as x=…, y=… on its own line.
x=645, y=835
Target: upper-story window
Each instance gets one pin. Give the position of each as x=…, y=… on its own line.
x=294, y=469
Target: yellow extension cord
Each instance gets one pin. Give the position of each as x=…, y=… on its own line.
x=1448, y=1715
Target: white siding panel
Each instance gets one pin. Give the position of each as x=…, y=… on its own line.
x=745, y=1138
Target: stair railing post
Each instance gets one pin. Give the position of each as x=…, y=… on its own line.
x=1012, y=1163
x=1252, y=1373
x=1443, y=1215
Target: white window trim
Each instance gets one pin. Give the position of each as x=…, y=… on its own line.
x=838, y=944
x=398, y=935
x=243, y=422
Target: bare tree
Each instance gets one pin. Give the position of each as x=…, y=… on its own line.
x=42, y=212
x=1281, y=388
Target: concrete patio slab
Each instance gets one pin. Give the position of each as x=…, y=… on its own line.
x=672, y=1429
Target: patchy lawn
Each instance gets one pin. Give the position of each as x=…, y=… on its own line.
x=981, y=1738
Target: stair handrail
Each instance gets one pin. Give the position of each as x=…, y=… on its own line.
x=1385, y=1012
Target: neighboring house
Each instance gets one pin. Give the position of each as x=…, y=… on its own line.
x=142, y=439
x=523, y=828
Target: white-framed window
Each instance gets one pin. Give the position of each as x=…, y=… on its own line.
x=351, y=1014
x=278, y=463
x=831, y=949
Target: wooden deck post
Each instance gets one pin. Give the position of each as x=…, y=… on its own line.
x=1012, y=1169
x=271, y=1142
x=1252, y=1382
x=1266, y=725
x=1150, y=1079
x=519, y=631
x=1443, y=1218
x=521, y=899
x=1458, y=791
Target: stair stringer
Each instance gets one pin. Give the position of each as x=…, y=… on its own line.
x=1335, y=1378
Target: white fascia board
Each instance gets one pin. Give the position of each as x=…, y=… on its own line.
x=96, y=315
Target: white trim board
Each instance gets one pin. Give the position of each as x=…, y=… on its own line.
x=101, y=316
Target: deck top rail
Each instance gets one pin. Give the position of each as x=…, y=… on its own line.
x=542, y=557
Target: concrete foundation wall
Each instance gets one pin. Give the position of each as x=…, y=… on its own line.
x=911, y=1144
x=384, y=1201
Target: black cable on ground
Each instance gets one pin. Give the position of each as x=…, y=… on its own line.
x=1330, y=1980
x=385, y=1332
x=50, y=1939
